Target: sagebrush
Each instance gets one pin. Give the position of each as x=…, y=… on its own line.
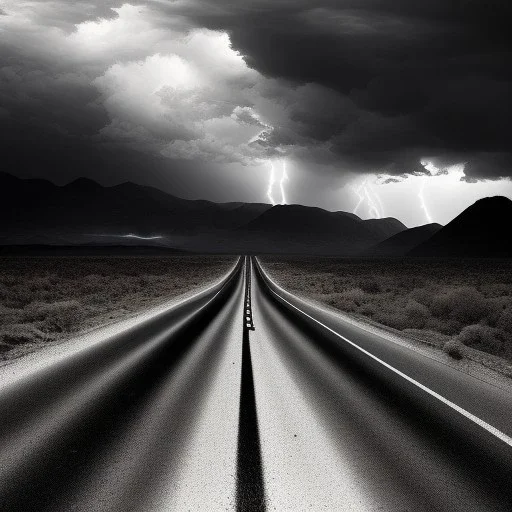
x=464, y=302
x=44, y=298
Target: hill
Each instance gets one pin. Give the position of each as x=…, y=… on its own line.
x=482, y=230
x=289, y=227
x=40, y=212
x=404, y=241
x=37, y=212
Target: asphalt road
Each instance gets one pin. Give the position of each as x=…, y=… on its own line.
x=195, y=410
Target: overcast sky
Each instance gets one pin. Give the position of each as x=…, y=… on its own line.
x=382, y=107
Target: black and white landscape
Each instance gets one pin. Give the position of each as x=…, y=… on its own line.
x=255, y=256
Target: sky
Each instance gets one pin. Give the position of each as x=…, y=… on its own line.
x=379, y=107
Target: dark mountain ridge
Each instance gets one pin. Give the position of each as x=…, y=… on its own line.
x=85, y=212
x=482, y=230
x=400, y=244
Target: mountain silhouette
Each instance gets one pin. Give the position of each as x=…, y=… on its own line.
x=404, y=241
x=39, y=209
x=290, y=227
x=83, y=212
x=482, y=230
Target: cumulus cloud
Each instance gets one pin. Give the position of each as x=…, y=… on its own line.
x=166, y=87
x=196, y=100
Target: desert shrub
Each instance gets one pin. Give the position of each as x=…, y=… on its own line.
x=356, y=295
x=454, y=349
x=496, y=307
x=92, y=283
x=368, y=310
x=37, y=284
x=9, y=280
x=505, y=320
x=438, y=297
x=425, y=295
x=497, y=290
x=446, y=326
x=9, y=315
x=49, y=297
x=63, y=316
x=392, y=318
x=464, y=304
x=16, y=334
x=482, y=337
x=416, y=313
x=410, y=281
x=120, y=286
x=370, y=286
x=145, y=280
x=35, y=311
x=4, y=291
x=326, y=286
x=339, y=301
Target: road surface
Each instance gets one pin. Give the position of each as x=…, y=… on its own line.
x=245, y=397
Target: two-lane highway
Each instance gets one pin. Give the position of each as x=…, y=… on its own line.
x=196, y=410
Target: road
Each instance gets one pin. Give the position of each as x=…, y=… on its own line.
x=245, y=397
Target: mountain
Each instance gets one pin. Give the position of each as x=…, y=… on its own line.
x=289, y=227
x=482, y=230
x=404, y=241
x=37, y=212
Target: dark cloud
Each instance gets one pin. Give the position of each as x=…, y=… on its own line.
x=423, y=77
x=487, y=165
x=345, y=86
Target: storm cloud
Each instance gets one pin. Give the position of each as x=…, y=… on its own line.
x=414, y=78
x=344, y=87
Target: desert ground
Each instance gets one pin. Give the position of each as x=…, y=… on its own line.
x=451, y=304
x=45, y=299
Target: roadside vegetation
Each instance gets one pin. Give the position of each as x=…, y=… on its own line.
x=48, y=298
x=451, y=304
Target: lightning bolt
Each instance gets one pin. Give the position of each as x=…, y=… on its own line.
x=357, y=192
x=129, y=235
x=284, y=177
x=365, y=192
x=282, y=180
x=381, y=206
x=271, y=181
x=373, y=209
x=422, y=201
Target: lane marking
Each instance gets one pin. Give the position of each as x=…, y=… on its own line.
x=249, y=324
x=475, y=419
x=250, y=481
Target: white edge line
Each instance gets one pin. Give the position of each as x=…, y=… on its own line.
x=475, y=419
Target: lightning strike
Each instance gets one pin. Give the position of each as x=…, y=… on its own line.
x=422, y=201
x=129, y=235
x=272, y=180
x=373, y=209
x=284, y=177
x=364, y=192
x=379, y=207
x=357, y=192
